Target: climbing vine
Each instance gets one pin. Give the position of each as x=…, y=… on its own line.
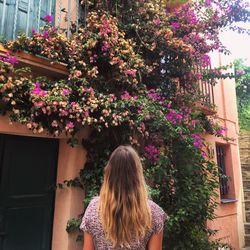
x=242, y=80
x=133, y=73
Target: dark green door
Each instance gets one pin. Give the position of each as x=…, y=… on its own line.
x=27, y=179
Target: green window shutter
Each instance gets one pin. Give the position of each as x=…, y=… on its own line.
x=6, y=24
x=24, y=7
x=22, y=15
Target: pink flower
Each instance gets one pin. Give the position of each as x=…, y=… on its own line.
x=9, y=59
x=106, y=46
x=151, y=152
x=194, y=122
x=77, y=73
x=48, y=18
x=131, y=72
x=46, y=34
x=86, y=113
x=240, y=72
x=174, y=117
x=154, y=95
x=70, y=125
x=205, y=60
x=104, y=29
x=197, y=141
x=54, y=124
x=208, y=2
x=175, y=25
x=203, y=154
x=37, y=90
x=39, y=104
x=157, y=22
x=198, y=75
x=65, y=92
x=126, y=96
x=89, y=90
x=220, y=131
x=169, y=105
x=140, y=108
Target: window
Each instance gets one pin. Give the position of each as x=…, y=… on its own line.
x=221, y=154
x=20, y=16
x=225, y=165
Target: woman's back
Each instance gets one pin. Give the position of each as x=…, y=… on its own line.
x=91, y=224
x=123, y=217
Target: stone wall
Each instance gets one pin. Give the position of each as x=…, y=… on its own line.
x=244, y=143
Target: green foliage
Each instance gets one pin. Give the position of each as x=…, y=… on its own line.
x=242, y=72
x=70, y=183
x=72, y=224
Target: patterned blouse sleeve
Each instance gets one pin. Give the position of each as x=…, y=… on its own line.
x=86, y=220
x=158, y=218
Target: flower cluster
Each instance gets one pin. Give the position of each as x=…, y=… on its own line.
x=127, y=96
x=100, y=49
x=240, y=72
x=220, y=131
x=154, y=95
x=37, y=90
x=9, y=59
x=151, y=152
x=173, y=117
x=197, y=140
x=48, y=18
x=47, y=42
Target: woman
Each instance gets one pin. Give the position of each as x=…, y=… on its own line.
x=123, y=217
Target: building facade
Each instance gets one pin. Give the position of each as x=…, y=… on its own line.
x=229, y=214
x=30, y=206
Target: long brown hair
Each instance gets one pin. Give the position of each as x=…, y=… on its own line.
x=123, y=206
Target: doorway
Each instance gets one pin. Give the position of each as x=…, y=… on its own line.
x=27, y=180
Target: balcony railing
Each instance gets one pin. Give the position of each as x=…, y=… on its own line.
x=204, y=91
x=205, y=88
x=206, y=96
x=21, y=16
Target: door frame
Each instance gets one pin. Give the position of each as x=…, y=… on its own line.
x=68, y=201
x=43, y=198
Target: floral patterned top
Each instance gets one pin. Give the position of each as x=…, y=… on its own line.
x=92, y=224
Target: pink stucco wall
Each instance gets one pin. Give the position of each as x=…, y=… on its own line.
x=229, y=219
x=68, y=201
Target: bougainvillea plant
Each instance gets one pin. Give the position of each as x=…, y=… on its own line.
x=133, y=73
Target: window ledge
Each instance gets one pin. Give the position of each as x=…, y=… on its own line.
x=207, y=110
x=225, y=201
x=40, y=66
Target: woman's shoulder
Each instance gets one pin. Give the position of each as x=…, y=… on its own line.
x=90, y=216
x=154, y=206
x=94, y=201
x=158, y=216
x=92, y=206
